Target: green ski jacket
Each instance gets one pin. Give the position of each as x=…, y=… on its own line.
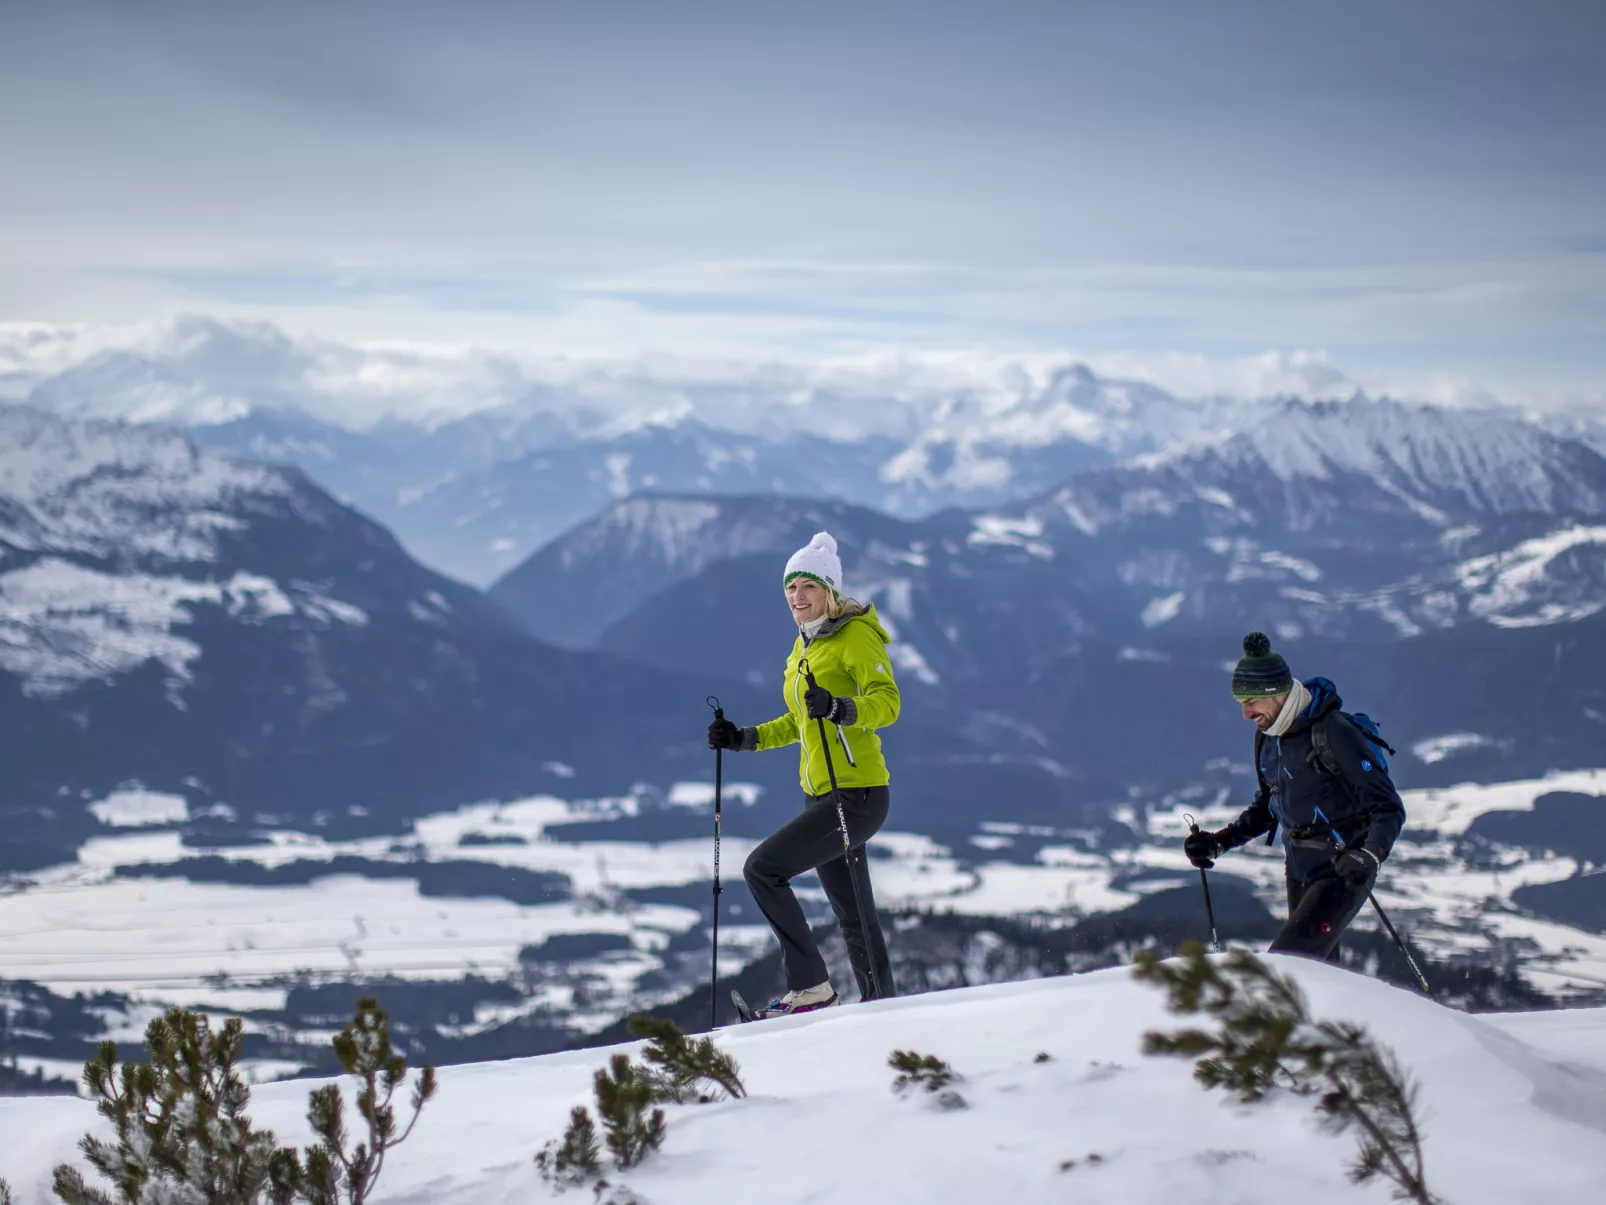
x=849, y=659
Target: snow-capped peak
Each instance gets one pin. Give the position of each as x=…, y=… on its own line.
x=1489, y=462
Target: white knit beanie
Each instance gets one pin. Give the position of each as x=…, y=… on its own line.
x=819, y=561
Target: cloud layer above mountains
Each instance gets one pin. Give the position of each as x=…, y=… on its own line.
x=205, y=370
x=1415, y=190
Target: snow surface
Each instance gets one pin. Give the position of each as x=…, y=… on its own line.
x=138, y=807
x=1513, y=1109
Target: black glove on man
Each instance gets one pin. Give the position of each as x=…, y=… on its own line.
x=822, y=705
x=1357, y=865
x=722, y=734
x=1204, y=848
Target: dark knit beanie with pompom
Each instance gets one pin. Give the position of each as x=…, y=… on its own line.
x=1262, y=673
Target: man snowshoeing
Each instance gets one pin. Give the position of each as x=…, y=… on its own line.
x=1323, y=786
x=846, y=651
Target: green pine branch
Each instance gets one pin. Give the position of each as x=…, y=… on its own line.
x=1265, y=1038
x=625, y=1093
x=681, y=1067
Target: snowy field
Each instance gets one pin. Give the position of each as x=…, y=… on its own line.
x=1513, y=1107
x=81, y=927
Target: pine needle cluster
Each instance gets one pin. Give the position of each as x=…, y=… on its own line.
x=685, y=1070
x=182, y=1136
x=1265, y=1038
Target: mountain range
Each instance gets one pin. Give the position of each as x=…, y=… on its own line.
x=230, y=633
x=227, y=642
x=475, y=464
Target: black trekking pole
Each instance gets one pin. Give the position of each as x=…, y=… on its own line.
x=1210, y=912
x=847, y=843
x=719, y=787
x=1415, y=970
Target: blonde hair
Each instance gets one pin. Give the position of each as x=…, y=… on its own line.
x=841, y=606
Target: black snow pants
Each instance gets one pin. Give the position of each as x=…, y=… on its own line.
x=1320, y=908
x=812, y=840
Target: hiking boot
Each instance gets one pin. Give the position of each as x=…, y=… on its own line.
x=806, y=1000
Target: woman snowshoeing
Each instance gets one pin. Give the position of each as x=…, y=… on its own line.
x=843, y=646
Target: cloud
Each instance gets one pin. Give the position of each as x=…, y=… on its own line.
x=204, y=370
x=1403, y=188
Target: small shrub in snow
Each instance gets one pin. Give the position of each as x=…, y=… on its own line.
x=928, y=1072
x=180, y=1129
x=182, y=1136
x=1266, y=1038
x=1092, y=1160
x=336, y=1171
x=5, y=1193
x=1043, y=1056
x=625, y=1093
x=681, y=1068
x=919, y=1071
x=578, y=1158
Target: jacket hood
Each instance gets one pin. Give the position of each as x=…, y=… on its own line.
x=832, y=626
x=1324, y=700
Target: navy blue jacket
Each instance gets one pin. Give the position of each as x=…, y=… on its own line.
x=1315, y=812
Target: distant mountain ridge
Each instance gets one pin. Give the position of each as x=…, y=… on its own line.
x=477, y=473
x=229, y=633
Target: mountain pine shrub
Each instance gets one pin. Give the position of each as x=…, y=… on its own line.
x=335, y=1172
x=1265, y=1038
x=625, y=1094
x=578, y=1158
x=181, y=1131
x=182, y=1135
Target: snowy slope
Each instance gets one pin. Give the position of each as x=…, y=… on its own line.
x=1514, y=1109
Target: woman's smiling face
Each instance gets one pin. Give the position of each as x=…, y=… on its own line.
x=807, y=599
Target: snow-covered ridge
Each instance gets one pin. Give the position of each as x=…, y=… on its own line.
x=110, y=489
x=63, y=624
x=1489, y=462
x=1511, y=1109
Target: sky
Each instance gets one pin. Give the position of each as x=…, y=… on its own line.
x=1415, y=190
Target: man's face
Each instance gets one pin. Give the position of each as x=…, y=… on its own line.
x=1263, y=711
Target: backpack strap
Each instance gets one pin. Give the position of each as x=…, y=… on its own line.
x=1260, y=743
x=1321, y=752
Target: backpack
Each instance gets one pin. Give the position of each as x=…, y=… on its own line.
x=1323, y=750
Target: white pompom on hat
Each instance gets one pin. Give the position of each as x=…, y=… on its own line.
x=818, y=561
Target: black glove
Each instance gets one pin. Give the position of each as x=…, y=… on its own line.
x=722, y=734
x=1203, y=848
x=820, y=703
x=1356, y=865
